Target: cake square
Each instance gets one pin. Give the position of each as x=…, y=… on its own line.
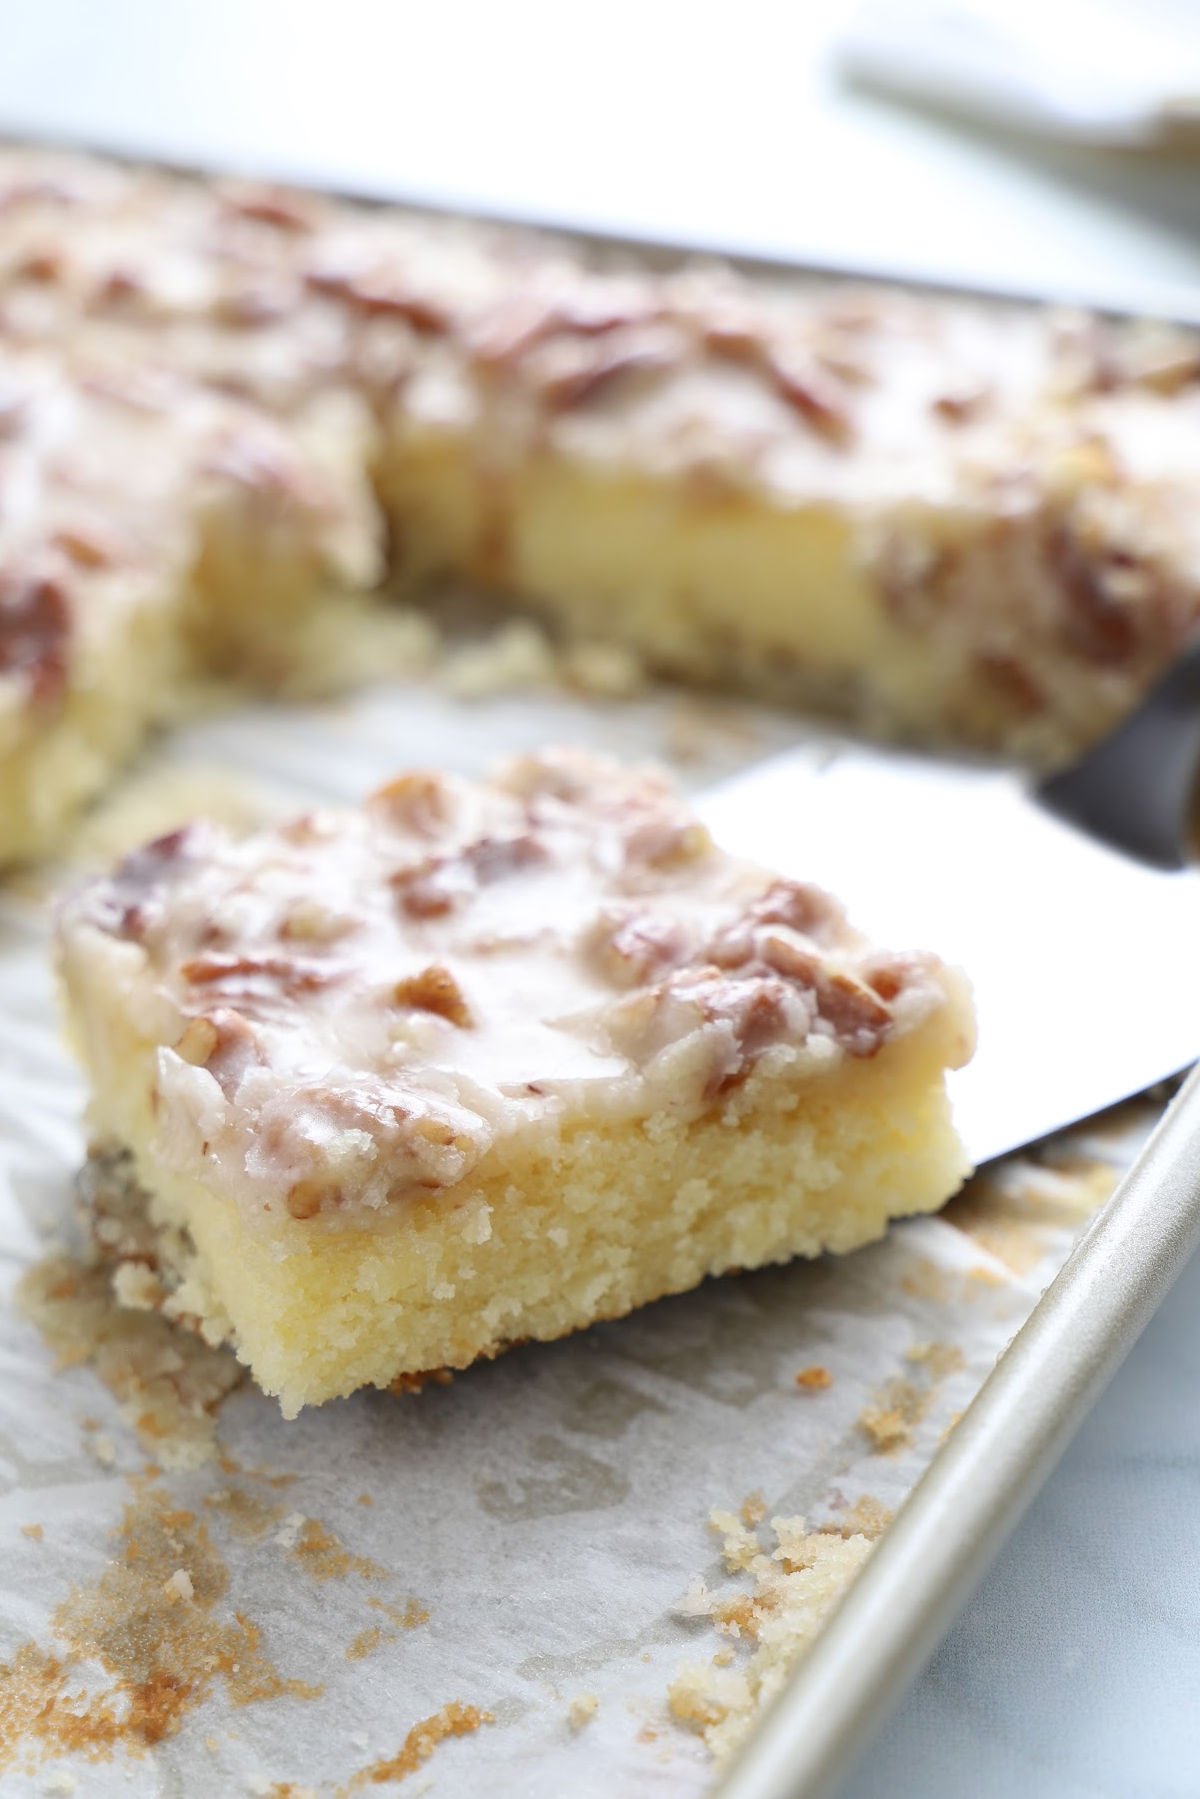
x=473, y=1063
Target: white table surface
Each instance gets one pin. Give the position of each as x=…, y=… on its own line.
x=1075, y=1671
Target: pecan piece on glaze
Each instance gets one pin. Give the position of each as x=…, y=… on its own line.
x=88, y=546
x=495, y=858
x=35, y=626
x=434, y=989
x=44, y=265
x=1013, y=680
x=1098, y=624
x=510, y=331
x=667, y=844
x=809, y=910
x=432, y=888
x=419, y=801
x=129, y=900
x=287, y=974
x=573, y=388
x=960, y=406
x=758, y=1012
x=808, y=395
x=636, y=947
x=857, y=1012
x=383, y=296
x=251, y=304
x=277, y=206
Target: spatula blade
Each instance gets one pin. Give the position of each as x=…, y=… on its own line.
x=1085, y=964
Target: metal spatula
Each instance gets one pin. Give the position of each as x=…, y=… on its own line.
x=1084, y=956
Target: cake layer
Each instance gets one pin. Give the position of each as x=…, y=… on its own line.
x=475, y=1064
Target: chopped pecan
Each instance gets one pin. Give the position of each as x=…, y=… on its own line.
x=384, y=295
x=801, y=907
x=568, y=389
x=1100, y=623
x=35, y=629
x=434, y=989
x=43, y=264
x=251, y=304
x=432, y=888
x=959, y=406
x=251, y=974
x=420, y=801
x=509, y=331
x=636, y=947
x=278, y=206
x=88, y=546
x=131, y=899
x=811, y=396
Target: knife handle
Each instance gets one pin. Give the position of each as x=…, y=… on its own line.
x=1136, y=789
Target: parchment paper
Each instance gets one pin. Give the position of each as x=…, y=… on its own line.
x=546, y=1511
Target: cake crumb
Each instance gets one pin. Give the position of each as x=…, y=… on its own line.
x=365, y=1499
x=814, y=1379
x=795, y=1588
x=867, y=1517
x=752, y=1510
x=179, y=1586
x=453, y=1720
x=167, y=1382
x=35, y=1532
x=59, y=1782
x=582, y=1710
x=938, y=1359
x=137, y=1288
x=518, y=655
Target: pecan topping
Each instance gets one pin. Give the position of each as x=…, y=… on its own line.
x=384, y=296
x=255, y=974
x=435, y=989
x=418, y=801
x=35, y=627
x=636, y=947
x=432, y=888
x=512, y=330
x=803, y=389
x=44, y=264
x=960, y=406
x=857, y=1012
x=571, y=388
x=88, y=546
x=277, y=206
x=1100, y=622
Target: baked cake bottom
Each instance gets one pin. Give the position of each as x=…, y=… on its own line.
x=599, y=1222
